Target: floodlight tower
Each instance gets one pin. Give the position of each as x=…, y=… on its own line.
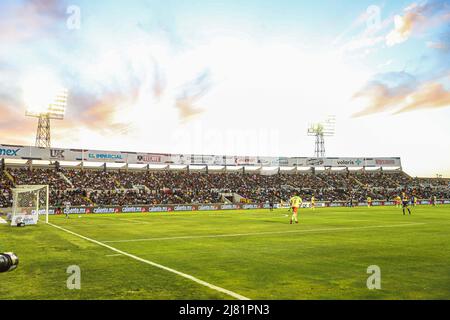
x=52, y=107
x=321, y=130
x=43, y=131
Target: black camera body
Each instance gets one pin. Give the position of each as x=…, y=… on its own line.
x=8, y=262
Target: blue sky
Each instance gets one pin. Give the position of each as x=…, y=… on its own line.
x=235, y=77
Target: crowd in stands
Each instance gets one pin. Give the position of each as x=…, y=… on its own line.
x=430, y=182
x=75, y=197
x=93, y=179
x=146, y=197
x=5, y=191
x=39, y=176
x=60, y=188
x=118, y=187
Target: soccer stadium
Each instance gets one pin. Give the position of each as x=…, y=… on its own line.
x=162, y=160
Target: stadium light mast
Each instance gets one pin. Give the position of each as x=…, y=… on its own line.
x=46, y=106
x=43, y=132
x=321, y=130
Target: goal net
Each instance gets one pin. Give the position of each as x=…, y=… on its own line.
x=29, y=202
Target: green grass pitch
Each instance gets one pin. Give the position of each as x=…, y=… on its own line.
x=256, y=254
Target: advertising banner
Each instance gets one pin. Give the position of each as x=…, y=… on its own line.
x=14, y=152
x=208, y=160
x=207, y=207
x=382, y=162
x=230, y=207
x=26, y=219
x=159, y=209
x=251, y=206
x=106, y=210
x=133, y=209
x=30, y=218
x=59, y=154
x=104, y=156
x=241, y=161
x=77, y=210
x=184, y=208
x=344, y=162
x=148, y=158
x=268, y=161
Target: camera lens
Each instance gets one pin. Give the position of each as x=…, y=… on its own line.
x=8, y=262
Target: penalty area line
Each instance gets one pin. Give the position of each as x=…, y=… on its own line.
x=154, y=264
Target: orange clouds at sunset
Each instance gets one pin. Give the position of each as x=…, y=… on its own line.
x=379, y=97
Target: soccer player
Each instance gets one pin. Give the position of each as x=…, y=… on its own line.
x=289, y=207
x=405, y=203
x=350, y=200
x=398, y=201
x=295, y=202
x=67, y=204
x=271, y=204
x=369, y=202
x=313, y=202
x=433, y=201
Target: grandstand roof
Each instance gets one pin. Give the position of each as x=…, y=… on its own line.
x=123, y=157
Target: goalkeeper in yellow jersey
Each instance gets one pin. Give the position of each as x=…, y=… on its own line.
x=295, y=203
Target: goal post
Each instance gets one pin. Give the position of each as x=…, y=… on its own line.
x=29, y=202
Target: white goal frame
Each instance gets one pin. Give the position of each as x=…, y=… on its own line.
x=30, y=188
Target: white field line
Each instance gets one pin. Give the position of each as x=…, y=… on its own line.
x=116, y=222
x=118, y=219
x=135, y=221
x=184, y=275
x=265, y=233
x=141, y=220
x=109, y=225
x=128, y=220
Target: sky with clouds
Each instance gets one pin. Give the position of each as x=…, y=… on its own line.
x=236, y=77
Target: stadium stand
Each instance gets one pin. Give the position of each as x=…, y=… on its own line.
x=118, y=187
x=5, y=191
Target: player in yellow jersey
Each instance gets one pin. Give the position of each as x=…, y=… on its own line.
x=369, y=202
x=313, y=202
x=398, y=201
x=295, y=202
